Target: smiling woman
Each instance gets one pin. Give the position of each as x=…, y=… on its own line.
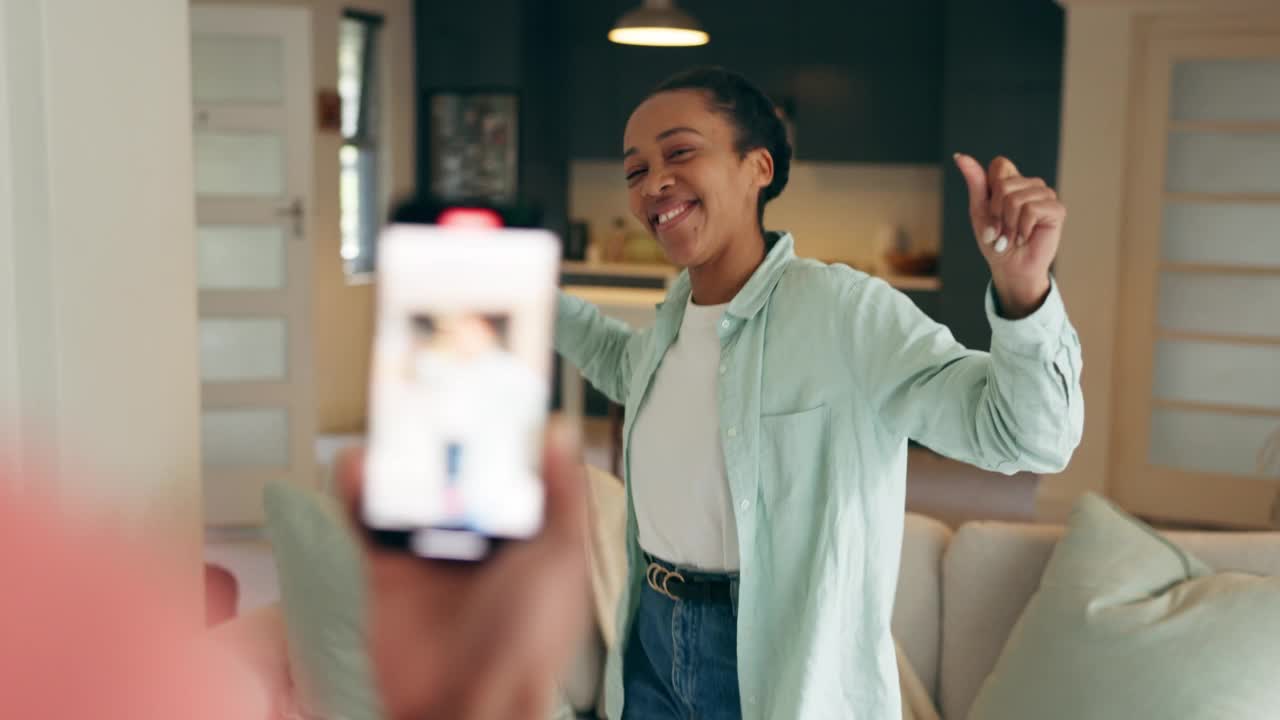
x=768, y=412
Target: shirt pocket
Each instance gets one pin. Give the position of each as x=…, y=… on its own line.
x=793, y=456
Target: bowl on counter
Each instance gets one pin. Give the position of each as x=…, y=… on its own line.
x=912, y=264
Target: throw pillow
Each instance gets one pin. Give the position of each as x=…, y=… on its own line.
x=1126, y=625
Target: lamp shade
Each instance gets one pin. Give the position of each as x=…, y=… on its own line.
x=658, y=23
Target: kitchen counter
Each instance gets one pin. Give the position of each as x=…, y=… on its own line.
x=624, y=299
x=652, y=276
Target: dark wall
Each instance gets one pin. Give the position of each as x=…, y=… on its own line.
x=865, y=77
x=1001, y=95
x=516, y=45
x=544, y=176
x=468, y=44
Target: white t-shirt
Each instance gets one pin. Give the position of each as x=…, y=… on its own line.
x=678, y=480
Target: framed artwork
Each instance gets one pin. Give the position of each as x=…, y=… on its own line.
x=474, y=144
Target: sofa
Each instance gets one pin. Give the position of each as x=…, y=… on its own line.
x=960, y=593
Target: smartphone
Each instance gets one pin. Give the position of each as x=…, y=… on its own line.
x=459, y=387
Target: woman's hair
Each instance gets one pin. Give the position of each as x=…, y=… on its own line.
x=753, y=115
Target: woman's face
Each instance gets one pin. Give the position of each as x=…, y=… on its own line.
x=687, y=183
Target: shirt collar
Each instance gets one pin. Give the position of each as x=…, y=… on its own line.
x=752, y=297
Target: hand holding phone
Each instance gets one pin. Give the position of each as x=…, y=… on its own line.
x=484, y=641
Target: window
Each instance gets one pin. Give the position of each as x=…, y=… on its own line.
x=358, y=85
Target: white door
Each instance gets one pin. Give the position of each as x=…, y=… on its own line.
x=251, y=87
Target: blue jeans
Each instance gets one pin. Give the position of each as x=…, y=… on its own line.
x=681, y=660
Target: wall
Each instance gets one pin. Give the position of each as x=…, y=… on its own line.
x=9, y=378
x=545, y=63
x=342, y=309
x=1095, y=119
x=1002, y=81
x=469, y=44
x=99, y=320
x=344, y=312
x=31, y=357
x=834, y=210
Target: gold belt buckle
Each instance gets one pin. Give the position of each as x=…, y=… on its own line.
x=655, y=572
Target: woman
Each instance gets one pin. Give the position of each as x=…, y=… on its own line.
x=768, y=413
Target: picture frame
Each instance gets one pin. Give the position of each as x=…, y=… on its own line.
x=474, y=144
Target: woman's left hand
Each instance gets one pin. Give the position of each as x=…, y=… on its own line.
x=1018, y=222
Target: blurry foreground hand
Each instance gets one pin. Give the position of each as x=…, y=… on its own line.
x=485, y=641
x=90, y=627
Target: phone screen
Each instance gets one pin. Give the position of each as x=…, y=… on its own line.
x=459, y=387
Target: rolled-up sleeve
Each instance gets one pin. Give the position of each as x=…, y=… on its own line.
x=1042, y=353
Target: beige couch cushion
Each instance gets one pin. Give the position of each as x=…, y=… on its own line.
x=1257, y=553
x=991, y=570
x=989, y=573
x=917, y=610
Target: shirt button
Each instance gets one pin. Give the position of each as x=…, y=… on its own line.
x=752, y=699
x=733, y=432
x=724, y=324
x=745, y=505
x=723, y=369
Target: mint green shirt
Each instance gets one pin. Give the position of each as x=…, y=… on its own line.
x=825, y=373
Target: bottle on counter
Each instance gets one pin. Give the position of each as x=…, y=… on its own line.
x=615, y=246
x=595, y=250
x=642, y=247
